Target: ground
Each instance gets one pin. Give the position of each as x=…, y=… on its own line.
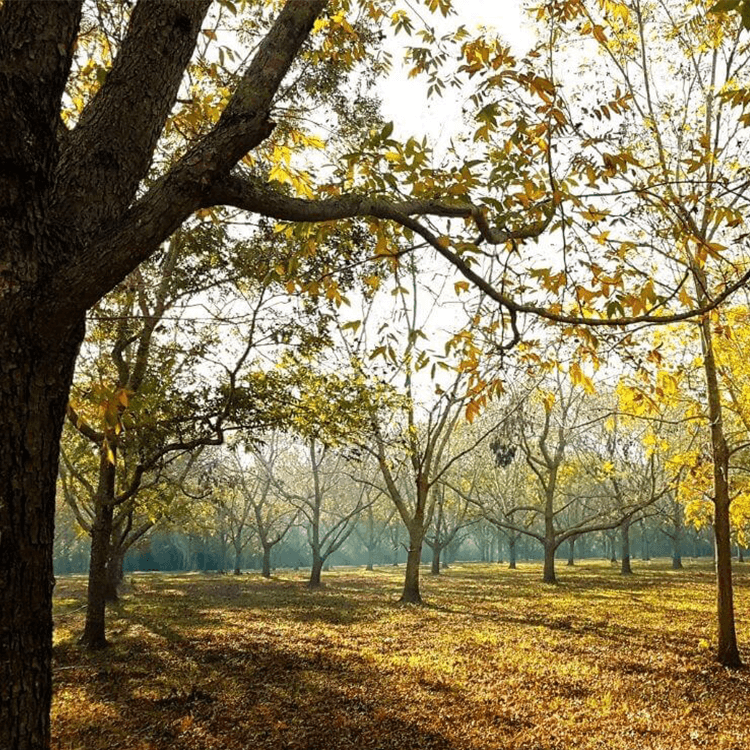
x=495, y=660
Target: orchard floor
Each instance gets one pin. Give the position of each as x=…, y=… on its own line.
x=496, y=659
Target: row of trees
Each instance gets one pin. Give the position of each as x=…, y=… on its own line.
x=377, y=542
x=551, y=463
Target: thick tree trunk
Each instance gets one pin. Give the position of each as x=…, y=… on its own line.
x=410, y=594
x=370, y=557
x=625, y=567
x=237, y=559
x=549, y=563
x=572, y=551
x=35, y=377
x=266, y=565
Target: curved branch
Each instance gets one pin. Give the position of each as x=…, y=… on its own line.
x=251, y=194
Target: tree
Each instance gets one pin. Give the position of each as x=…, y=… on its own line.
x=376, y=521
x=139, y=403
x=450, y=517
x=272, y=518
x=325, y=498
x=570, y=464
x=97, y=175
x=666, y=146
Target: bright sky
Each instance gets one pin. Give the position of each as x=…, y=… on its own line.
x=405, y=101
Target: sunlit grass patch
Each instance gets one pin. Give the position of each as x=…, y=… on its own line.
x=496, y=659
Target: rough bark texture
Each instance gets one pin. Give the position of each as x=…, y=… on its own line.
x=114, y=574
x=34, y=380
x=93, y=636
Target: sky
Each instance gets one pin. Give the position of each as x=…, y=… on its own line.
x=405, y=101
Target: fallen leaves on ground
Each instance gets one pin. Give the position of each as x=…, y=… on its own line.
x=495, y=660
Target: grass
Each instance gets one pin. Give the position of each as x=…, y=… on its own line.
x=496, y=660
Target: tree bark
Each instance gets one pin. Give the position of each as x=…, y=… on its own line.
x=512, y=553
x=410, y=594
x=94, y=636
x=727, y=651
x=678, y=527
x=572, y=551
x=35, y=376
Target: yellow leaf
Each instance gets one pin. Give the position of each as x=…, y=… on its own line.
x=461, y=286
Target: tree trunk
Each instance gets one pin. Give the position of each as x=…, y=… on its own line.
x=645, y=552
x=94, y=636
x=512, y=553
x=266, y=565
x=35, y=377
x=549, y=563
x=727, y=652
x=114, y=574
x=435, y=570
x=370, y=557
x=315, y=570
x=625, y=567
x=572, y=551
x=237, y=560
x=410, y=594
